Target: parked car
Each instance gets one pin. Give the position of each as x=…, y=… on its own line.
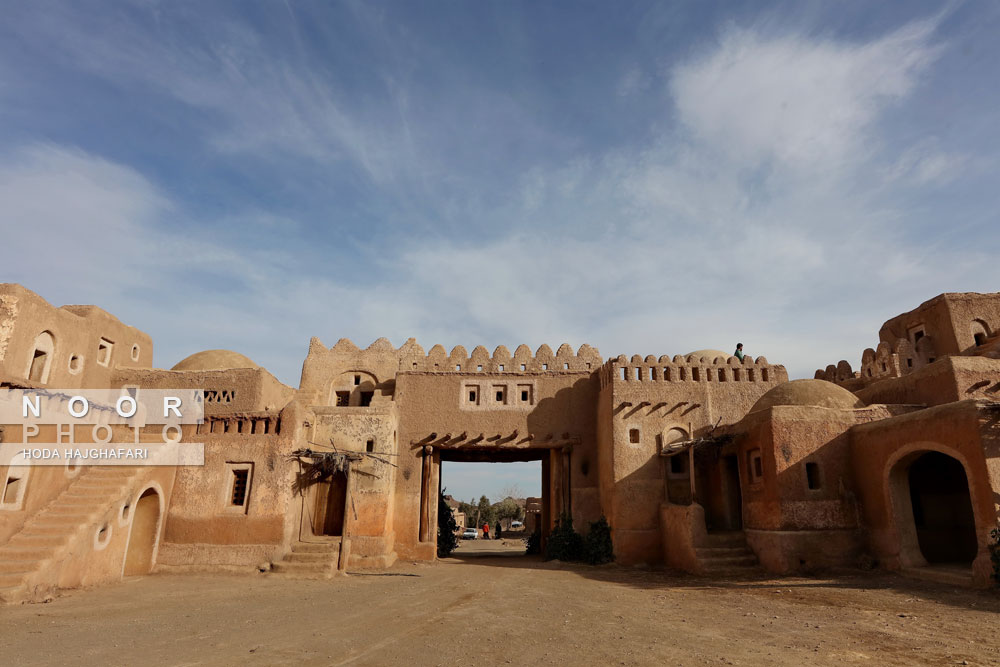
x=514, y=525
x=470, y=534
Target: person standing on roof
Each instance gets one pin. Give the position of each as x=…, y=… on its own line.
x=739, y=351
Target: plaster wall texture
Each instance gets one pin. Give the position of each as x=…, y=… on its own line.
x=968, y=431
x=86, y=343
x=559, y=404
x=949, y=319
x=950, y=379
x=661, y=400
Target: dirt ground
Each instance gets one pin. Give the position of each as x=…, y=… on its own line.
x=485, y=607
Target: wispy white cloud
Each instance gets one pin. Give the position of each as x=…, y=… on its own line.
x=801, y=101
x=774, y=212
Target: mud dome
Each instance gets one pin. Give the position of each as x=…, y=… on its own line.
x=703, y=461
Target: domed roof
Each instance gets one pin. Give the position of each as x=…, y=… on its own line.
x=711, y=355
x=816, y=393
x=214, y=360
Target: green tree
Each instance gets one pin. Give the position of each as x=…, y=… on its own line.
x=485, y=512
x=447, y=541
x=508, y=510
x=469, y=510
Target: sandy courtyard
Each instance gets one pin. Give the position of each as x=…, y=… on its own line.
x=481, y=609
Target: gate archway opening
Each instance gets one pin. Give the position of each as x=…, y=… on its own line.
x=934, y=509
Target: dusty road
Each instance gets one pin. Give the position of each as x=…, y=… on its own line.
x=490, y=610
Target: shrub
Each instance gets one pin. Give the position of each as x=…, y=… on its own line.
x=598, y=548
x=995, y=554
x=447, y=541
x=533, y=545
x=565, y=543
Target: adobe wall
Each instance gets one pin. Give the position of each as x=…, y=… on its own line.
x=560, y=403
x=87, y=343
x=349, y=429
x=228, y=391
x=41, y=484
x=95, y=557
x=204, y=530
x=967, y=431
x=789, y=525
x=947, y=380
x=666, y=400
x=949, y=319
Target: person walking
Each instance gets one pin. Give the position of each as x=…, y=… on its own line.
x=486, y=531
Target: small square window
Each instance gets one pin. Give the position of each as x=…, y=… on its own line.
x=755, y=465
x=240, y=479
x=479, y=369
x=523, y=367
x=633, y=435
x=238, y=492
x=472, y=394
x=545, y=367
x=525, y=393
x=500, y=394
x=501, y=368
x=370, y=445
x=343, y=398
x=357, y=380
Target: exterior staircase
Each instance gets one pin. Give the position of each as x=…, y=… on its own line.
x=47, y=536
x=726, y=553
x=310, y=560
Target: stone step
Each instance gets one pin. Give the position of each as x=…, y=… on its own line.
x=89, y=494
x=725, y=539
x=13, y=579
x=12, y=566
x=100, y=485
x=34, y=553
x=722, y=552
x=729, y=562
x=316, y=547
x=312, y=557
x=40, y=527
x=65, y=521
x=30, y=540
x=312, y=570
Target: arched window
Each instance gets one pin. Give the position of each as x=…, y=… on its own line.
x=41, y=358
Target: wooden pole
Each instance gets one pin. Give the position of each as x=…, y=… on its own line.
x=425, y=493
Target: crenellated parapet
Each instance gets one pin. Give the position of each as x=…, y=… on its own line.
x=347, y=368
x=692, y=368
x=887, y=360
x=522, y=360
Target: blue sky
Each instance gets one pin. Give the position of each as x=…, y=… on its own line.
x=648, y=178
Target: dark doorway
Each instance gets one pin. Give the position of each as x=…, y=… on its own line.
x=942, y=509
x=331, y=501
x=718, y=491
x=734, y=499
